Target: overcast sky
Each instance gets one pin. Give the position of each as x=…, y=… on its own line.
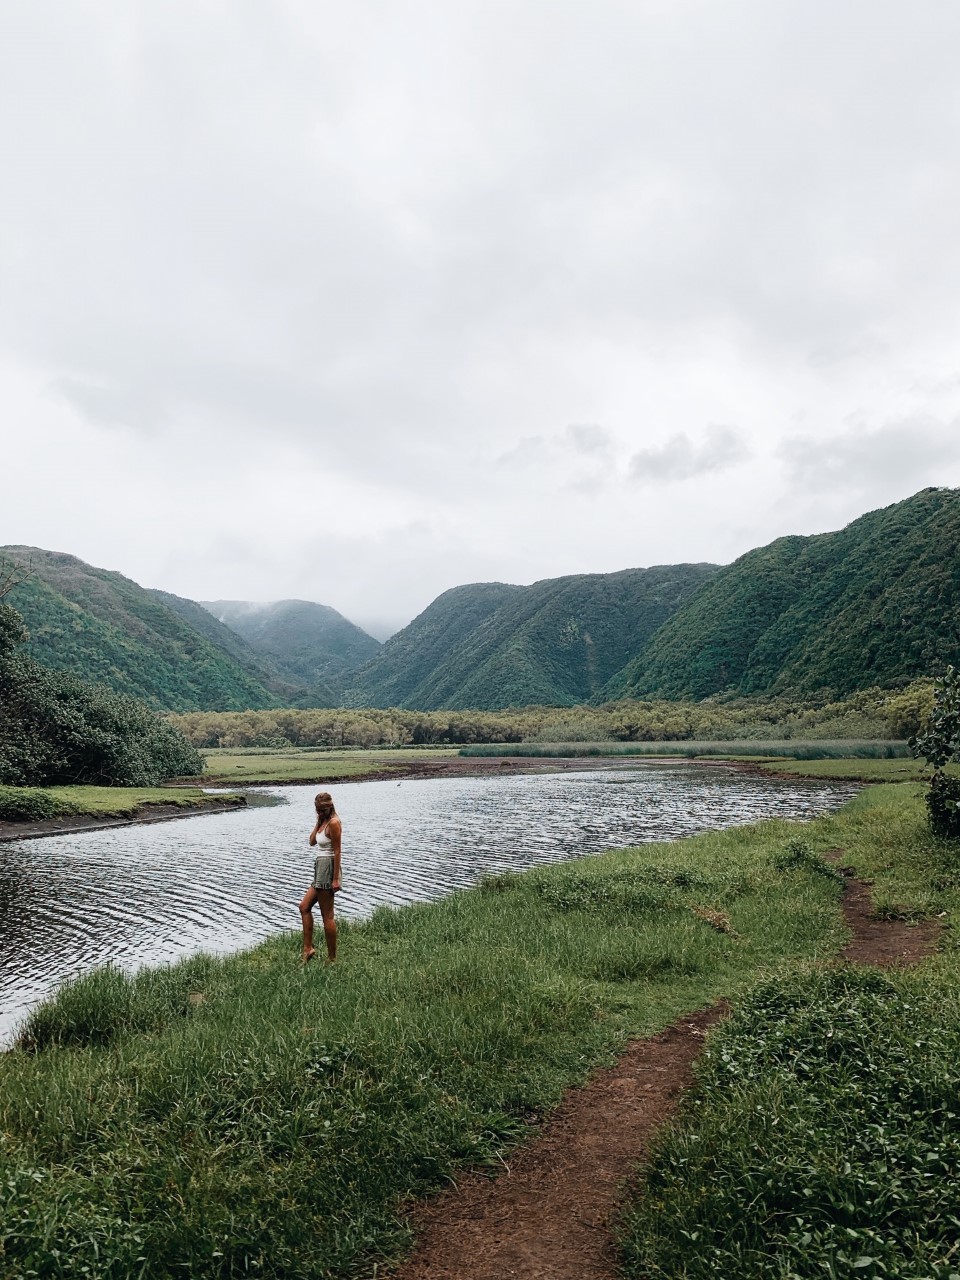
x=356, y=302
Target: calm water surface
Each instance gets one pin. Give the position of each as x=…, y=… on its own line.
x=150, y=894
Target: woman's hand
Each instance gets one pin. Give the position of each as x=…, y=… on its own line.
x=335, y=885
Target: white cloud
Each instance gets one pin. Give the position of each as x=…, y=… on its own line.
x=679, y=458
x=275, y=274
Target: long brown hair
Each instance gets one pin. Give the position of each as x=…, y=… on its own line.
x=323, y=803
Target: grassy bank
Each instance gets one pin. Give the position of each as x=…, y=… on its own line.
x=33, y=804
x=244, y=1116
x=788, y=749
x=824, y=1135
x=223, y=766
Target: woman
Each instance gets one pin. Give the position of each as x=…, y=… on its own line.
x=325, y=838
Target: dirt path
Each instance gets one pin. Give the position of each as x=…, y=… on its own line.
x=884, y=943
x=546, y=1217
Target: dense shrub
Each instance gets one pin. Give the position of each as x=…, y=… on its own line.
x=938, y=742
x=21, y=804
x=943, y=806
x=56, y=729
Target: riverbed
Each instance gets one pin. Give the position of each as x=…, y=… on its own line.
x=152, y=894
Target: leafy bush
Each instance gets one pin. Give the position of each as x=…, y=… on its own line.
x=24, y=804
x=55, y=728
x=943, y=806
x=823, y=1140
x=938, y=742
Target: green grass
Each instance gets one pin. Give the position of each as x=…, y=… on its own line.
x=241, y=1116
x=293, y=764
x=33, y=803
x=846, y=769
x=823, y=1138
x=788, y=748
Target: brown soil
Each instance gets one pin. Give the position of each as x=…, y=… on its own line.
x=881, y=942
x=546, y=1217
x=87, y=822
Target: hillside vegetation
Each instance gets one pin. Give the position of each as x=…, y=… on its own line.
x=871, y=714
x=873, y=604
x=557, y=642
x=104, y=628
x=411, y=657
x=56, y=729
x=311, y=646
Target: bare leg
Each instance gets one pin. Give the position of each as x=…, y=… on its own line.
x=325, y=902
x=307, y=903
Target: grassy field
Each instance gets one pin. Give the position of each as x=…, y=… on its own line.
x=242, y=1116
x=824, y=1135
x=787, y=748
x=24, y=804
x=245, y=1116
x=867, y=760
x=293, y=764
x=907, y=770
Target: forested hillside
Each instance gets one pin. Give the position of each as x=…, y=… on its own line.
x=311, y=646
x=55, y=728
x=411, y=656
x=104, y=628
x=873, y=604
x=557, y=642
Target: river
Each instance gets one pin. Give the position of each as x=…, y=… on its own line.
x=150, y=894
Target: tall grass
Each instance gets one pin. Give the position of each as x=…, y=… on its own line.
x=245, y=1117
x=823, y=1139
x=865, y=749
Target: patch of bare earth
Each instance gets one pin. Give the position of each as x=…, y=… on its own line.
x=548, y=1214
x=881, y=942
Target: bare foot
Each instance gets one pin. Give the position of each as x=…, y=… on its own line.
x=308, y=955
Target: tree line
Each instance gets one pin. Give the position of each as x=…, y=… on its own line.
x=872, y=713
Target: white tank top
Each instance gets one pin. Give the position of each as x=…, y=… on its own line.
x=324, y=843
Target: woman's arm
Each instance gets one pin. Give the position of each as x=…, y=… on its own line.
x=334, y=831
x=313, y=833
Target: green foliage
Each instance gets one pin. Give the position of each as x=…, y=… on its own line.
x=943, y=806
x=874, y=604
x=103, y=628
x=311, y=646
x=938, y=742
x=797, y=855
x=56, y=729
x=26, y=804
x=824, y=1139
x=856, y=722
x=557, y=642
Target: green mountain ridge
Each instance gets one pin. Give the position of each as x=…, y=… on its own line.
x=105, y=628
x=875, y=603
x=414, y=653
x=310, y=646
x=557, y=642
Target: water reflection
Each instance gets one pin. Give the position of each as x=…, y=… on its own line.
x=145, y=895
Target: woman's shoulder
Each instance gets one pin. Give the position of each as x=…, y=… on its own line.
x=334, y=824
